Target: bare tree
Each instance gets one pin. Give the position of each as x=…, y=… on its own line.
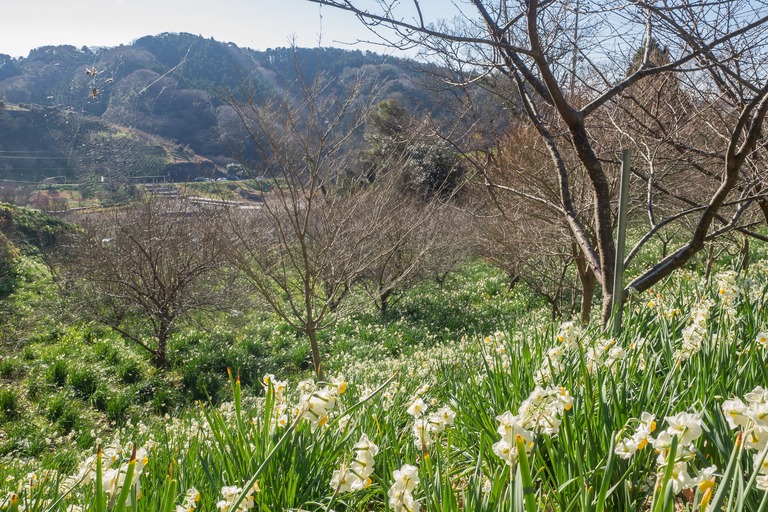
x=420, y=234
x=521, y=228
x=143, y=268
x=406, y=235
x=455, y=241
x=320, y=224
x=565, y=76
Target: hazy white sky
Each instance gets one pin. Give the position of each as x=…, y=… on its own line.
x=257, y=24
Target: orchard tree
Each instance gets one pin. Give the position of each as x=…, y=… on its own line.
x=411, y=238
x=569, y=65
x=143, y=268
x=322, y=222
x=521, y=230
x=420, y=233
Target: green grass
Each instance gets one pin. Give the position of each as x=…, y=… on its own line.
x=472, y=345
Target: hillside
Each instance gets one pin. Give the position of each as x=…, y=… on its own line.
x=39, y=143
x=133, y=109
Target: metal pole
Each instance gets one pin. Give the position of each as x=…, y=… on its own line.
x=621, y=235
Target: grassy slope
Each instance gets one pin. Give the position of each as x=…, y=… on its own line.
x=78, y=383
x=480, y=378
x=46, y=142
x=72, y=381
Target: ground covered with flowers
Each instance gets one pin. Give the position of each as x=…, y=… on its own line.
x=670, y=414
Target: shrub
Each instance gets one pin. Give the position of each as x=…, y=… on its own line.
x=28, y=354
x=50, y=337
x=205, y=364
x=144, y=391
x=9, y=403
x=162, y=395
x=10, y=368
x=130, y=372
x=62, y=411
x=100, y=399
x=36, y=389
x=163, y=401
x=69, y=421
x=57, y=406
x=57, y=373
x=84, y=381
x=106, y=351
x=117, y=407
x=203, y=386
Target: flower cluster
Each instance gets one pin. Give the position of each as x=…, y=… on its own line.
x=496, y=351
x=110, y=455
x=728, y=289
x=189, y=503
x=628, y=446
x=568, y=334
x=230, y=494
x=86, y=473
x=281, y=414
x=316, y=403
x=113, y=479
x=664, y=311
x=554, y=362
x=357, y=474
x=542, y=410
x=605, y=353
x=762, y=339
x=424, y=426
x=401, y=493
x=752, y=418
x=684, y=426
x=510, y=429
x=539, y=413
x=696, y=332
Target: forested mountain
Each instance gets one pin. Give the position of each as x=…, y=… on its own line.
x=133, y=109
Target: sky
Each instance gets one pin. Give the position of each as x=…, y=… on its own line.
x=257, y=24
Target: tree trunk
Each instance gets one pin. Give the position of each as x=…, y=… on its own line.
x=311, y=331
x=601, y=200
x=441, y=278
x=744, y=264
x=163, y=332
x=556, y=312
x=384, y=302
x=763, y=204
x=335, y=298
x=588, y=282
x=710, y=261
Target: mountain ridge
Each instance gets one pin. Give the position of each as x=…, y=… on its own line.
x=172, y=87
